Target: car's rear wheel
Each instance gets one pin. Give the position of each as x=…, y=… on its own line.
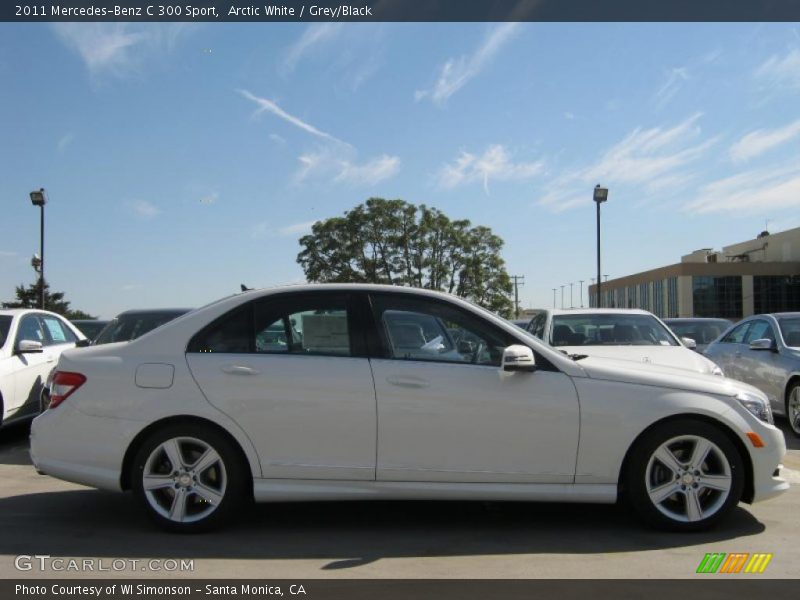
x=684, y=475
x=793, y=408
x=189, y=478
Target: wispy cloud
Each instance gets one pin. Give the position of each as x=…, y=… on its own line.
x=760, y=141
x=315, y=35
x=674, y=80
x=277, y=138
x=64, y=141
x=651, y=159
x=494, y=164
x=7, y=254
x=296, y=229
x=457, y=72
x=130, y=287
x=209, y=198
x=145, y=209
x=780, y=72
x=265, y=105
x=119, y=48
x=751, y=192
x=324, y=163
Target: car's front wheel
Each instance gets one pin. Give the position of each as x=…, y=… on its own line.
x=684, y=475
x=189, y=478
x=793, y=408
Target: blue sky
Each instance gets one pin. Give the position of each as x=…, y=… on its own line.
x=182, y=160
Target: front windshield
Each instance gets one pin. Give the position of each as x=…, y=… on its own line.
x=790, y=330
x=609, y=330
x=702, y=332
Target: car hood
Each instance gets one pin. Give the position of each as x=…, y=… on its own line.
x=678, y=357
x=627, y=371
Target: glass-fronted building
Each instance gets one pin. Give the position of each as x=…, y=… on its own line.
x=758, y=276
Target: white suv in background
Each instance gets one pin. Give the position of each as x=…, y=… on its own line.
x=618, y=333
x=30, y=343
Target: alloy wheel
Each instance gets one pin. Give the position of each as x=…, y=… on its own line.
x=688, y=478
x=184, y=479
x=793, y=409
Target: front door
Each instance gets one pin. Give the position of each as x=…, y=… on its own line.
x=447, y=413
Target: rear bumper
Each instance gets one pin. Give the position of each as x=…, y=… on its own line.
x=70, y=445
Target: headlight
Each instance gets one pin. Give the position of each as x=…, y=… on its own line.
x=717, y=371
x=756, y=405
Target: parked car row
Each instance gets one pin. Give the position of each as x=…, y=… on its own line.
x=31, y=342
x=346, y=391
x=761, y=350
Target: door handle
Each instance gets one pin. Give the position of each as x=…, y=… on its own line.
x=409, y=382
x=239, y=370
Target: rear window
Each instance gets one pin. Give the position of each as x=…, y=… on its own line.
x=129, y=327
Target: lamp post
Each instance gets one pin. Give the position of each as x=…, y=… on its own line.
x=581, y=282
x=562, y=296
x=600, y=196
x=571, y=303
x=39, y=199
x=554, y=297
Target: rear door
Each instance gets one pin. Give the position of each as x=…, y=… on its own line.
x=291, y=370
x=727, y=352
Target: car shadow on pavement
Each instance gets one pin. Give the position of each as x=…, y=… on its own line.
x=349, y=534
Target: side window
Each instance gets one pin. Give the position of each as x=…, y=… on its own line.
x=736, y=335
x=31, y=329
x=536, y=326
x=57, y=332
x=231, y=334
x=413, y=329
x=759, y=330
x=308, y=324
x=303, y=325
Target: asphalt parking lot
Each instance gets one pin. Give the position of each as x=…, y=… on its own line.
x=43, y=516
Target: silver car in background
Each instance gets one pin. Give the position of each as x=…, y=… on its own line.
x=764, y=351
x=702, y=330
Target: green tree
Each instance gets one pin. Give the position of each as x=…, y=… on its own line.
x=398, y=243
x=28, y=297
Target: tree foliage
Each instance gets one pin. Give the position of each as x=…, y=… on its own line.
x=397, y=243
x=28, y=297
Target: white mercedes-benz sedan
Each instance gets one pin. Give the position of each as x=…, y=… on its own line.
x=335, y=392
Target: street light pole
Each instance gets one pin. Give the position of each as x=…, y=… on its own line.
x=600, y=196
x=554, y=297
x=571, y=303
x=562, y=296
x=39, y=199
x=581, y=282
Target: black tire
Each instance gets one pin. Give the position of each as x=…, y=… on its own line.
x=226, y=479
x=692, y=504
x=794, y=420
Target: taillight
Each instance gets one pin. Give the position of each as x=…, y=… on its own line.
x=63, y=384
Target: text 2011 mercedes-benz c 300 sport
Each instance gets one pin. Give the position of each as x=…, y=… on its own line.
x=332, y=392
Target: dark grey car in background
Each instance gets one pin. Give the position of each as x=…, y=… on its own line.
x=702, y=330
x=131, y=324
x=764, y=351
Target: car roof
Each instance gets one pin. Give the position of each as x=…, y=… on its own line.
x=151, y=311
x=596, y=311
x=12, y=312
x=695, y=319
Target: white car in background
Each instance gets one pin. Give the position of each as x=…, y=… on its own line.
x=30, y=343
x=382, y=392
x=624, y=334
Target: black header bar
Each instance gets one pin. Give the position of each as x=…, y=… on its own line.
x=402, y=10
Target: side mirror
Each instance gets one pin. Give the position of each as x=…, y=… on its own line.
x=689, y=343
x=518, y=358
x=29, y=347
x=83, y=343
x=763, y=344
